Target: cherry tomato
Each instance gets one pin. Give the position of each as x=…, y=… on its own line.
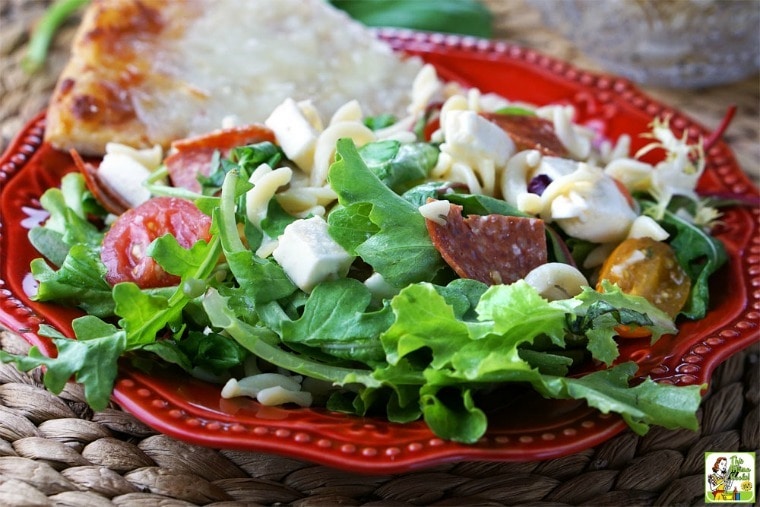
x=648, y=268
x=124, y=245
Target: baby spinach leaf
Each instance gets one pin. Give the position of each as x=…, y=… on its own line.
x=399, y=166
x=700, y=255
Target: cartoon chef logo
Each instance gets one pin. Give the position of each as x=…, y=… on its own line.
x=730, y=477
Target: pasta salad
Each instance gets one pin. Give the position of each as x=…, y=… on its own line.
x=400, y=267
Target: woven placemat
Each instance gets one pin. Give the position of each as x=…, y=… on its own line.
x=54, y=450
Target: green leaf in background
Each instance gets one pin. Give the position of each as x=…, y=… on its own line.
x=43, y=34
x=467, y=17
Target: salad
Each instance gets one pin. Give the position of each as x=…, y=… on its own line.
x=400, y=267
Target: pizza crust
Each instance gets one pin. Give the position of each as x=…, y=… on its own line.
x=92, y=103
x=148, y=72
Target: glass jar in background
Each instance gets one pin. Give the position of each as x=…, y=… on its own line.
x=671, y=43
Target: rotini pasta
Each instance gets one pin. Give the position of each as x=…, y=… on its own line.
x=324, y=149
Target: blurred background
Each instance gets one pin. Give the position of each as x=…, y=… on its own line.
x=673, y=43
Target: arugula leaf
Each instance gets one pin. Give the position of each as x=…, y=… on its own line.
x=547, y=363
x=263, y=343
x=276, y=219
x=335, y=321
x=79, y=281
x=260, y=279
x=50, y=244
x=478, y=204
x=515, y=111
x=380, y=121
x=200, y=352
x=350, y=225
x=176, y=259
x=244, y=159
x=401, y=251
x=59, y=201
x=91, y=359
x=143, y=316
x=168, y=351
x=419, y=195
x=67, y=224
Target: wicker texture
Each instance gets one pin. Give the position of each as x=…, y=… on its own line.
x=54, y=450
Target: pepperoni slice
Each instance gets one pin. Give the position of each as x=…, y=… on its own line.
x=493, y=249
x=124, y=245
x=530, y=133
x=192, y=156
x=110, y=200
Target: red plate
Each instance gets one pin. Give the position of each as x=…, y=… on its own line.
x=524, y=428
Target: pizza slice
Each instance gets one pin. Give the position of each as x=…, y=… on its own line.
x=147, y=72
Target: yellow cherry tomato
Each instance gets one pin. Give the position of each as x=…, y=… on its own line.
x=647, y=268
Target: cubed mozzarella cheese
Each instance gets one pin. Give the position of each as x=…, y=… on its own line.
x=150, y=158
x=470, y=138
x=309, y=255
x=294, y=133
x=379, y=287
x=125, y=176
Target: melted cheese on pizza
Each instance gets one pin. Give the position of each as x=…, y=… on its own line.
x=147, y=72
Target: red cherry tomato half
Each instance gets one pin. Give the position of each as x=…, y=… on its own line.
x=124, y=245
